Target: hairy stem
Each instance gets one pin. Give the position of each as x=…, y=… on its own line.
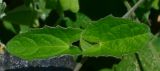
x=80, y=64
x=128, y=6
x=133, y=9
x=1, y=1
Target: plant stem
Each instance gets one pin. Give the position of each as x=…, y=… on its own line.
x=78, y=67
x=1, y=1
x=128, y=6
x=80, y=64
x=133, y=9
x=2, y=7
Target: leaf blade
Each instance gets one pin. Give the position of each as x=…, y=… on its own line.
x=115, y=36
x=44, y=43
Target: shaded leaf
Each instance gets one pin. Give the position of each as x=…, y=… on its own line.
x=9, y=26
x=22, y=15
x=51, y=4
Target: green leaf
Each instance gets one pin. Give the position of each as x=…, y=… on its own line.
x=24, y=28
x=22, y=15
x=44, y=43
x=65, y=4
x=155, y=4
x=114, y=36
x=156, y=43
x=128, y=63
x=82, y=21
x=9, y=26
x=149, y=58
x=72, y=5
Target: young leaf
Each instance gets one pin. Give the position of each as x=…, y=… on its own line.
x=72, y=5
x=114, y=36
x=65, y=4
x=155, y=4
x=9, y=26
x=44, y=43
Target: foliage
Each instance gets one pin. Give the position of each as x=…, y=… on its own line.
x=73, y=32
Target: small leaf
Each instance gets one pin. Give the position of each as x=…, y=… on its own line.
x=65, y=4
x=155, y=4
x=22, y=15
x=24, y=28
x=72, y=5
x=44, y=43
x=9, y=26
x=114, y=36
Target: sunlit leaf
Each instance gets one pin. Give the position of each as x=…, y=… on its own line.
x=44, y=43
x=114, y=36
x=72, y=5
